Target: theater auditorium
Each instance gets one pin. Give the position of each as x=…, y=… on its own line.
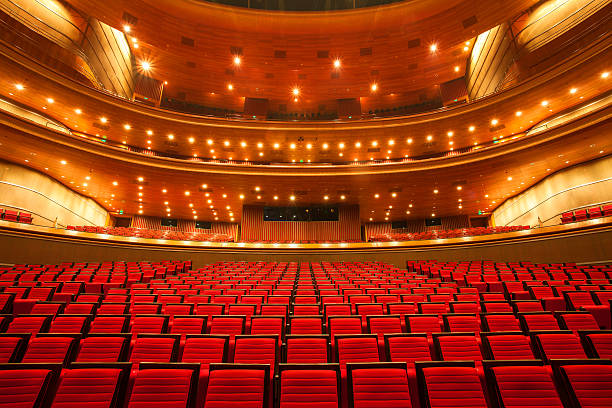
x=305, y=204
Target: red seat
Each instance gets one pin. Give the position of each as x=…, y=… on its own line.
x=507, y=346
x=523, y=385
x=91, y=387
x=307, y=349
x=381, y=385
x=236, y=386
x=314, y=386
x=27, y=385
x=163, y=387
x=103, y=349
x=589, y=384
x=49, y=349
x=451, y=384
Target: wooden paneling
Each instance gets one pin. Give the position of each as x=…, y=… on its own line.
x=190, y=44
x=551, y=244
x=255, y=228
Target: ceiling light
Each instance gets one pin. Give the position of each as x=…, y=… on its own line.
x=292, y=145
x=433, y=214
x=19, y=87
x=230, y=86
x=457, y=68
x=127, y=28
x=145, y=65
x=325, y=146
x=374, y=87
x=115, y=183
x=50, y=100
x=127, y=127
x=429, y=138
x=191, y=139
x=63, y=162
x=78, y=111
x=257, y=188
x=342, y=197
x=518, y=113
x=242, y=196
x=237, y=60
x=472, y=128
x=604, y=75
x=409, y=140
x=103, y=119
x=296, y=91
x=308, y=146
x=341, y=145
x=336, y=63
x=459, y=188
x=466, y=48
x=433, y=47
x=509, y=178
x=573, y=91
x=544, y=103
x=358, y=144
x=326, y=197
x=394, y=194
x=141, y=179
x=226, y=143
x=376, y=195
x=276, y=145
x=494, y=122
x=450, y=133
x=292, y=198
x=436, y=191
x=374, y=143
x=171, y=136
x=391, y=142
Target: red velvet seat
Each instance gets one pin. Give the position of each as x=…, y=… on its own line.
x=507, y=346
x=103, y=349
x=589, y=383
x=380, y=385
x=237, y=386
x=521, y=385
x=169, y=386
x=24, y=386
x=309, y=386
x=306, y=349
x=451, y=385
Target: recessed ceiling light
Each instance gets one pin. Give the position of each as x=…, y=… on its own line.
x=309, y=146
x=127, y=28
x=494, y=122
x=325, y=146
x=230, y=86
x=509, y=178
x=433, y=47
x=394, y=194
x=326, y=197
x=376, y=195
x=19, y=87
x=436, y=191
x=141, y=179
x=292, y=145
x=226, y=143
x=457, y=68
x=295, y=91
x=63, y=162
x=50, y=100
x=237, y=60
x=429, y=138
x=127, y=127
x=472, y=128
x=276, y=145
x=358, y=144
x=573, y=91
x=604, y=75
x=78, y=111
x=459, y=188
x=170, y=136
x=337, y=63
x=409, y=140
x=341, y=145
x=518, y=113
x=374, y=87
x=145, y=65
x=544, y=103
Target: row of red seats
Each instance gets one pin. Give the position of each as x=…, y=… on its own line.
x=585, y=214
x=154, y=234
x=12, y=215
x=441, y=234
x=576, y=383
x=348, y=241
x=336, y=291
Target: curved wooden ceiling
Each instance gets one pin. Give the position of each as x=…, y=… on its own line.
x=272, y=142
x=191, y=44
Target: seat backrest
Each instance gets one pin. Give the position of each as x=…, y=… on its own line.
x=423, y=324
x=256, y=350
x=227, y=325
x=589, y=385
x=407, y=348
x=457, y=347
x=268, y=325
x=462, y=323
x=102, y=349
x=161, y=349
x=149, y=324
x=344, y=325
x=511, y=383
x=27, y=385
x=29, y=324
x=205, y=349
x=90, y=387
x=383, y=385
x=109, y=324
x=69, y=324
x=508, y=346
x=188, y=325
x=315, y=386
x=579, y=321
x=362, y=348
x=49, y=349
x=538, y=321
x=306, y=349
x=501, y=322
x=306, y=325
x=459, y=384
x=601, y=344
x=559, y=346
x=230, y=384
x=163, y=387
x=384, y=324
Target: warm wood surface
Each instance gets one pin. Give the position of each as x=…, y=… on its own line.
x=480, y=174
x=206, y=67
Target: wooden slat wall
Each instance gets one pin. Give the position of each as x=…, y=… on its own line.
x=254, y=228
x=184, y=226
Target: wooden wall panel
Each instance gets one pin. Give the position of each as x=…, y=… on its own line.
x=184, y=225
x=254, y=228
